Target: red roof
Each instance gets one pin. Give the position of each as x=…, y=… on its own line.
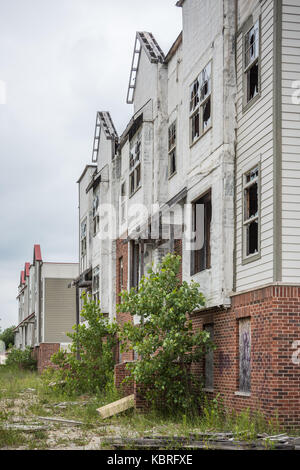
x=37, y=255
x=22, y=278
x=27, y=266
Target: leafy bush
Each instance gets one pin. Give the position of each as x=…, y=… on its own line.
x=164, y=339
x=94, y=340
x=8, y=336
x=21, y=359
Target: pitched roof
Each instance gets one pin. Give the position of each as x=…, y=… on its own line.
x=174, y=48
x=26, y=269
x=104, y=122
x=146, y=41
x=37, y=255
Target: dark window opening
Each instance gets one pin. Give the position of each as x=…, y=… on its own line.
x=252, y=76
x=252, y=238
x=172, y=148
x=201, y=258
x=134, y=265
x=135, y=164
x=252, y=61
x=195, y=126
x=251, y=212
x=200, y=104
x=206, y=115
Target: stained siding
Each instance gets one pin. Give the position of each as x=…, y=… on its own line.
x=290, y=142
x=255, y=145
x=60, y=310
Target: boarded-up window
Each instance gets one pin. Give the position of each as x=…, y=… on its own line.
x=209, y=360
x=244, y=355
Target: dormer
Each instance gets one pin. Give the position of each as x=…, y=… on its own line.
x=106, y=140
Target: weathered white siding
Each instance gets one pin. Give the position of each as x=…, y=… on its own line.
x=255, y=145
x=290, y=141
x=60, y=310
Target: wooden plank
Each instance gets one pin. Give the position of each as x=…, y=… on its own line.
x=116, y=407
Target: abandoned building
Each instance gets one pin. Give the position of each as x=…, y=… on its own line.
x=46, y=307
x=215, y=125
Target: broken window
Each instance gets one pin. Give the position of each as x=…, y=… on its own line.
x=172, y=149
x=200, y=104
x=209, y=360
x=83, y=247
x=251, y=212
x=135, y=164
x=95, y=213
x=201, y=228
x=96, y=284
x=83, y=237
x=244, y=355
x=252, y=45
x=134, y=264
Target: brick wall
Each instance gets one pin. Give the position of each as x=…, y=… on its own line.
x=274, y=314
x=43, y=353
x=120, y=373
x=122, y=252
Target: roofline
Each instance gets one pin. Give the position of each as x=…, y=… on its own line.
x=60, y=262
x=179, y=3
x=174, y=48
x=85, y=170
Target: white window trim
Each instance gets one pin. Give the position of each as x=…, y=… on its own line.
x=200, y=105
x=245, y=222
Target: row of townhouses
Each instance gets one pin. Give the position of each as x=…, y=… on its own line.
x=208, y=167
x=46, y=307
x=213, y=146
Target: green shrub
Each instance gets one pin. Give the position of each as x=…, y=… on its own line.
x=164, y=339
x=94, y=340
x=21, y=359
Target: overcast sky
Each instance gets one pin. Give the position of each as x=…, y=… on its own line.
x=61, y=61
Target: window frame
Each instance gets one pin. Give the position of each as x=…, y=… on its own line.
x=249, y=24
x=199, y=107
x=207, y=234
x=96, y=218
x=134, y=264
x=242, y=391
x=135, y=167
x=96, y=291
x=172, y=149
x=248, y=258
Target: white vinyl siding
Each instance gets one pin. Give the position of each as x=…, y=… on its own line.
x=290, y=142
x=255, y=146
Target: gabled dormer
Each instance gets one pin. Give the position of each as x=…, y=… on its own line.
x=147, y=55
x=106, y=140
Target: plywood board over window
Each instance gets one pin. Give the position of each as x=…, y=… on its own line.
x=245, y=355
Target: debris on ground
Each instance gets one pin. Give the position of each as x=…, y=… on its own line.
x=61, y=420
x=116, y=407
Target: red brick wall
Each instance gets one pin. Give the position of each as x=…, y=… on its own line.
x=122, y=251
x=43, y=353
x=274, y=313
x=120, y=373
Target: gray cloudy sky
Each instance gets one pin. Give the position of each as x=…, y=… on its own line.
x=61, y=61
